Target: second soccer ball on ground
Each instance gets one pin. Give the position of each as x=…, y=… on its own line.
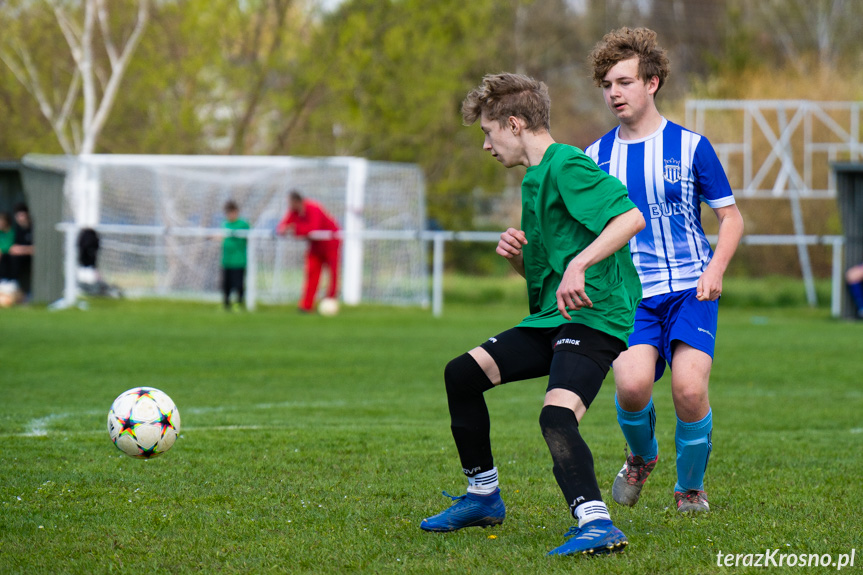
x=328, y=306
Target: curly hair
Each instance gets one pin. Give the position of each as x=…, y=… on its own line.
x=500, y=96
x=625, y=43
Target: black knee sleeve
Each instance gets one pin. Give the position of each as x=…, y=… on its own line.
x=571, y=457
x=464, y=377
x=465, y=384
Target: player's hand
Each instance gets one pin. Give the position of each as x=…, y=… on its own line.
x=510, y=243
x=709, y=286
x=571, y=294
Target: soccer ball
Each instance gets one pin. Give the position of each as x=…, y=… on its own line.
x=7, y=299
x=8, y=293
x=143, y=422
x=329, y=306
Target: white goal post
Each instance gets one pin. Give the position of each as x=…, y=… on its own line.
x=160, y=217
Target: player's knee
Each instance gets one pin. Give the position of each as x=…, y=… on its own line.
x=632, y=396
x=554, y=415
x=633, y=381
x=689, y=394
x=554, y=420
x=689, y=398
x=463, y=376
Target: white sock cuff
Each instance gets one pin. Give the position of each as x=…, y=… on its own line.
x=591, y=511
x=483, y=483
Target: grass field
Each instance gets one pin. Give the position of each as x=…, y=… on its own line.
x=316, y=445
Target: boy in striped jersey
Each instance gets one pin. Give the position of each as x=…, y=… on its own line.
x=668, y=171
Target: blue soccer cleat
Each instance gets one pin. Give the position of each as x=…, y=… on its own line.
x=469, y=510
x=598, y=537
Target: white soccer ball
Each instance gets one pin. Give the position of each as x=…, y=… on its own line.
x=8, y=293
x=143, y=422
x=329, y=306
x=7, y=299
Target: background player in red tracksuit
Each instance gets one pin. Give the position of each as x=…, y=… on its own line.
x=307, y=216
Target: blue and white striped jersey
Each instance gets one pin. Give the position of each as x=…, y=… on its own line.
x=668, y=175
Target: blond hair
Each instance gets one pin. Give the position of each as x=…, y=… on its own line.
x=500, y=96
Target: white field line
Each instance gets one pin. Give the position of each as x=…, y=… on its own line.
x=184, y=429
x=42, y=426
x=279, y=405
x=39, y=426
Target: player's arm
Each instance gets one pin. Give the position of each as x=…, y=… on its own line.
x=616, y=234
x=509, y=247
x=21, y=250
x=289, y=220
x=730, y=231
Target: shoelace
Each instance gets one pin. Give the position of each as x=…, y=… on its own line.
x=692, y=496
x=634, y=470
x=454, y=497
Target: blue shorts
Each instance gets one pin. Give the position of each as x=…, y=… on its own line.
x=664, y=319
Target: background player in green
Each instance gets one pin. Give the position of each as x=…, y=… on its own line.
x=582, y=294
x=234, y=257
x=7, y=240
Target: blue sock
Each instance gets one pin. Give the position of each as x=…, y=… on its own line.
x=638, y=429
x=857, y=294
x=694, y=444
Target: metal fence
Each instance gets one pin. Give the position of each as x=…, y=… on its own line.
x=435, y=239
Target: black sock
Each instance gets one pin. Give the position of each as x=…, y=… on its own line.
x=465, y=384
x=573, y=462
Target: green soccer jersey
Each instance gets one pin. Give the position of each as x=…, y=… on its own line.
x=7, y=240
x=234, y=248
x=566, y=202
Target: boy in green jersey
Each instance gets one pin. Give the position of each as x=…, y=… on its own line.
x=582, y=293
x=7, y=240
x=234, y=256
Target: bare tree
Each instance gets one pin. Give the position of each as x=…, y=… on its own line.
x=91, y=80
x=259, y=52
x=825, y=27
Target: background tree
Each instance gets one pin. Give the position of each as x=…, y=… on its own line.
x=811, y=32
x=75, y=93
x=383, y=79
x=396, y=74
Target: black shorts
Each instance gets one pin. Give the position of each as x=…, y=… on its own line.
x=233, y=279
x=574, y=356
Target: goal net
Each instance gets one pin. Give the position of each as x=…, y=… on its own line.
x=160, y=218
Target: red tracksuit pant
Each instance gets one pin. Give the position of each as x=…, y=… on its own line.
x=321, y=254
